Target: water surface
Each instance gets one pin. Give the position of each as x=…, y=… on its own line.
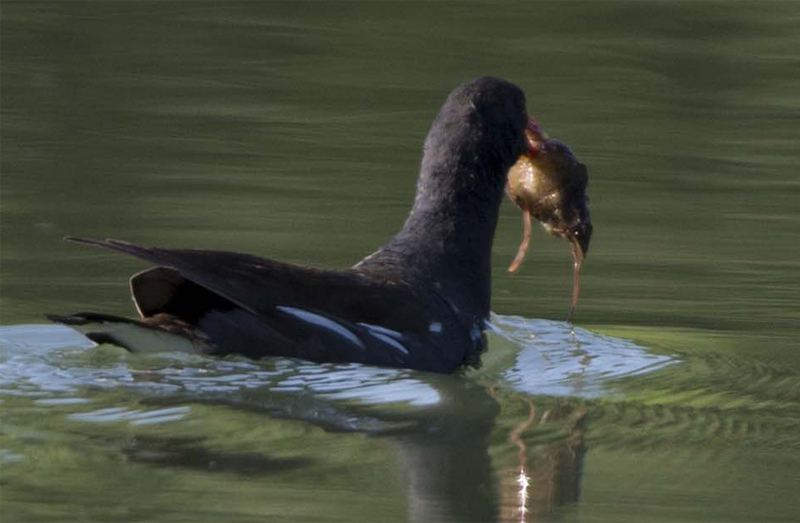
x=293, y=130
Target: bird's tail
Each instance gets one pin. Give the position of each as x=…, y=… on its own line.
x=164, y=334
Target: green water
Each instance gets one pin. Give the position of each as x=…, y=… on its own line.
x=293, y=130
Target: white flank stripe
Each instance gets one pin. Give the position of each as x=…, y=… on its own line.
x=435, y=327
x=390, y=341
x=322, y=321
x=383, y=330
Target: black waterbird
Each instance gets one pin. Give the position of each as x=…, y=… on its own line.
x=421, y=301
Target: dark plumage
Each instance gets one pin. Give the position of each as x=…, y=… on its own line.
x=420, y=301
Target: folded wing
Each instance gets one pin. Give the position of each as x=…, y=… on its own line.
x=258, y=307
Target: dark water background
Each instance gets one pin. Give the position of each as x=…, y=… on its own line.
x=293, y=130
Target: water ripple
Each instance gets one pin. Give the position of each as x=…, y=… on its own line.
x=53, y=364
x=558, y=359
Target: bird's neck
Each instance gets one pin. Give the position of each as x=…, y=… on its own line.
x=447, y=238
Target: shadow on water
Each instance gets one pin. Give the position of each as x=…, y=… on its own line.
x=506, y=441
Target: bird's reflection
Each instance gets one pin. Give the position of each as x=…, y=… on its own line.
x=503, y=457
x=480, y=453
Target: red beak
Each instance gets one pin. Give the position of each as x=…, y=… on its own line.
x=536, y=137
